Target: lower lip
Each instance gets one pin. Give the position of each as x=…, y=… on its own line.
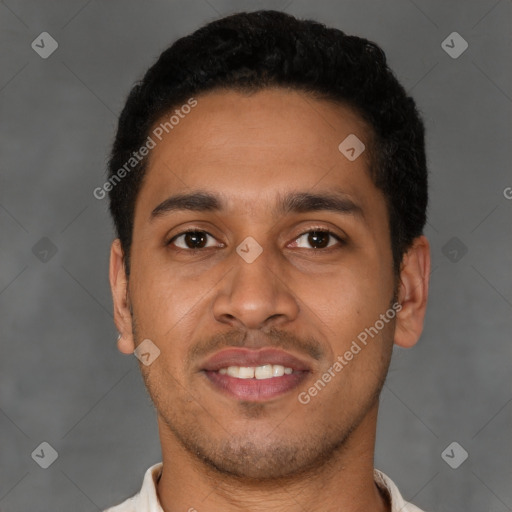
x=256, y=390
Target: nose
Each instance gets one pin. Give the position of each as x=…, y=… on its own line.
x=255, y=295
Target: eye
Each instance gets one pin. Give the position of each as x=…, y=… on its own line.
x=196, y=240
x=191, y=240
x=319, y=239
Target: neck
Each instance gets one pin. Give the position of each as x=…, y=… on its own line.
x=343, y=483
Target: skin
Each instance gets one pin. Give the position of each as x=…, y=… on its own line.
x=220, y=453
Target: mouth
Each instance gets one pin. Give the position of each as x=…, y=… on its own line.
x=255, y=375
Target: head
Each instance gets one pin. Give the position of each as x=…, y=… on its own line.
x=242, y=132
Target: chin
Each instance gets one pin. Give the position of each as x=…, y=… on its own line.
x=258, y=456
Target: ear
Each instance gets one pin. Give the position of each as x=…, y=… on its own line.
x=413, y=293
x=119, y=287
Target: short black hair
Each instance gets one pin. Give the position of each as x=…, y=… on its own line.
x=247, y=52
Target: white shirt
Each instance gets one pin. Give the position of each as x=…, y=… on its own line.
x=147, y=500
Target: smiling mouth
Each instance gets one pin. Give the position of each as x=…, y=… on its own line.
x=255, y=376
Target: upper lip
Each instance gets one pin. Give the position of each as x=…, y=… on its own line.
x=248, y=357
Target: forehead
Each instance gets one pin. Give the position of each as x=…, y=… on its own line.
x=245, y=146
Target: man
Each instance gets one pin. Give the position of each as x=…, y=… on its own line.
x=268, y=185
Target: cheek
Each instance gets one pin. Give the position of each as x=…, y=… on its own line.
x=161, y=316
x=160, y=298
x=346, y=301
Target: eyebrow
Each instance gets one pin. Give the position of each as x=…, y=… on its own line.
x=292, y=202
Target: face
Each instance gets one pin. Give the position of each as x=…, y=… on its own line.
x=274, y=271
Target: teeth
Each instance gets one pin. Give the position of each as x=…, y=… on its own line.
x=245, y=372
x=277, y=370
x=233, y=371
x=267, y=371
x=263, y=372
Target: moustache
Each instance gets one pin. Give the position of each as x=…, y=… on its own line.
x=274, y=338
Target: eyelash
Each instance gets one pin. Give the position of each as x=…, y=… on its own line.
x=312, y=229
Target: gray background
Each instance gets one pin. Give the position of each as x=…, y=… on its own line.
x=61, y=378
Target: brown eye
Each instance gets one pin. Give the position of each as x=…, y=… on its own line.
x=191, y=240
x=318, y=239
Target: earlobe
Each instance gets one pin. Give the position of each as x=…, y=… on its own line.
x=413, y=293
x=124, y=345
x=119, y=288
